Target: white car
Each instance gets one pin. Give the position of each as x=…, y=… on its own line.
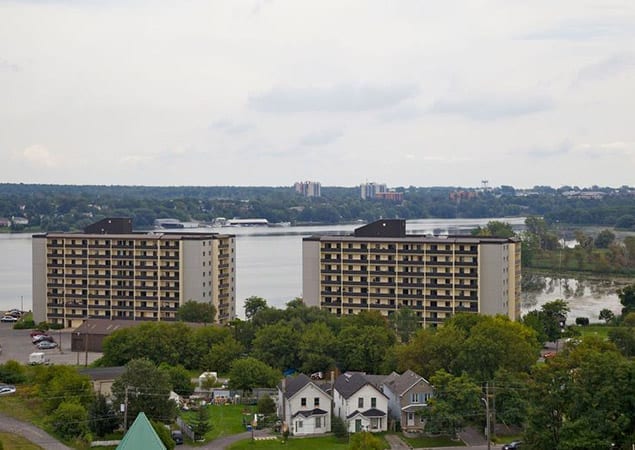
x=6, y=389
x=8, y=318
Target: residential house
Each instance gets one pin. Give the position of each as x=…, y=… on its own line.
x=304, y=406
x=358, y=401
x=408, y=394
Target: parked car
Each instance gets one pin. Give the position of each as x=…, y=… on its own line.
x=42, y=337
x=8, y=318
x=515, y=445
x=177, y=437
x=6, y=389
x=36, y=333
x=46, y=345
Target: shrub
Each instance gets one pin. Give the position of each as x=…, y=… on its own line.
x=56, y=326
x=266, y=405
x=70, y=420
x=23, y=325
x=582, y=321
x=12, y=372
x=338, y=427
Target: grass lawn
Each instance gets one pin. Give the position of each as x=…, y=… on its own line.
x=225, y=420
x=438, y=441
x=318, y=443
x=23, y=405
x=595, y=330
x=12, y=441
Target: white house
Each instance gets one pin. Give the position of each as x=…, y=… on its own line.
x=304, y=406
x=360, y=403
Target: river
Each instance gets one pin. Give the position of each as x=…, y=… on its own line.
x=269, y=265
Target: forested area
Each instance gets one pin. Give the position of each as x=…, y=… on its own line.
x=64, y=208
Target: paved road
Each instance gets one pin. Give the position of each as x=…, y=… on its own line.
x=396, y=443
x=226, y=441
x=31, y=432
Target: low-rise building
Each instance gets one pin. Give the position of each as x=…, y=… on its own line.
x=407, y=394
x=304, y=406
x=359, y=402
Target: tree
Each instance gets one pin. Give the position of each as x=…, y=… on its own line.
x=197, y=312
x=363, y=348
x=248, y=373
x=607, y=315
x=405, y=323
x=365, y=441
x=277, y=345
x=554, y=316
x=221, y=355
x=624, y=340
x=253, y=305
x=317, y=348
x=164, y=434
x=627, y=298
x=338, y=427
x=179, y=379
x=604, y=239
x=495, y=228
x=200, y=423
x=456, y=400
x=146, y=389
x=70, y=420
x=102, y=417
x=12, y=372
x=266, y=405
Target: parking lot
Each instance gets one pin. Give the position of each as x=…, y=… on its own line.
x=17, y=345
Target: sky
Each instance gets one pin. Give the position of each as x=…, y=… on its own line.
x=269, y=92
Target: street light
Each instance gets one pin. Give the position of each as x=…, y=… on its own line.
x=487, y=424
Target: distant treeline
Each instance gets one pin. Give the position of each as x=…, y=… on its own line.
x=66, y=207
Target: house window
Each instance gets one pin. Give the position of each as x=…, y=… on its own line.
x=318, y=422
x=316, y=401
x=373, y=402
x=416, y=398
x=303, y=401
x=360, y=402
x=299, y=424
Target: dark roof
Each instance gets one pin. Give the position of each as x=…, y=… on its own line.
x=104, y=326
x=110, y=225
x=383, y=228
x=350, y=382
x=373, y=412
x=312, y=412
x=103, y=373
x=405, y=381
x=295, y=384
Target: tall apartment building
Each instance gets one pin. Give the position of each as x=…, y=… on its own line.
x=382, y=268
x=308, y=188
x=110, y=272
x=370, y=190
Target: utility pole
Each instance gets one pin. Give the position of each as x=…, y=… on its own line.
x=487, y=417
x=124, y=409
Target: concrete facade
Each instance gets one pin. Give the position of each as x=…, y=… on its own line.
x=382, y=268
x=131, y=276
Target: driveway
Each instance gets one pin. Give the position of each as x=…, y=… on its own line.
x=31, y=432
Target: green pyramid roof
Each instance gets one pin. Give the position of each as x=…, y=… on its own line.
x=141, y=435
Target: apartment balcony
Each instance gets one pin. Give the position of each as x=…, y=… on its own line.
x=330, y=260
x=331, y=271
x=352, y=272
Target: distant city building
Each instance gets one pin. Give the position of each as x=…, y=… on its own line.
x=308, y=188
x=381, y=268
x=110, y=272
x=379, y=191
x=458, y=196
x=370, y=190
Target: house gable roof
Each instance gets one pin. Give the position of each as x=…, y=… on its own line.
x=404, y=382
x=141, y=435
x=296, y=384
x=311, y=412
x=350, y=382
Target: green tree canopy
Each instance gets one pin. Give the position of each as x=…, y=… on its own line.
x=248, y=373
x=146, y=389
x=253, y=305
x=197, y=312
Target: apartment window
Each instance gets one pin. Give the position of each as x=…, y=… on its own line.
x=373, y=402
x=360, y=402
x=303, y=401
x=316, y=401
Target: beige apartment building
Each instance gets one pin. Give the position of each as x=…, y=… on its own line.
x=380, y=267
x=111, y=272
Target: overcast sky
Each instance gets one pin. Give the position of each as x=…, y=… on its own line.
x=258, y=92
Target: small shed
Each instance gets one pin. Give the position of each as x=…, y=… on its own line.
x=103, y=378
x=90, y=335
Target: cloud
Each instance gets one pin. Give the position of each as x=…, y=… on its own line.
x=608, y=67
x=581, y=30
x=402, y=112
x=323, y=137
x=38, y=155
x=613, y=149
x=492, y=107
x=7, y=66
x=337, y=98
x=561, y=149
x=232, y=128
